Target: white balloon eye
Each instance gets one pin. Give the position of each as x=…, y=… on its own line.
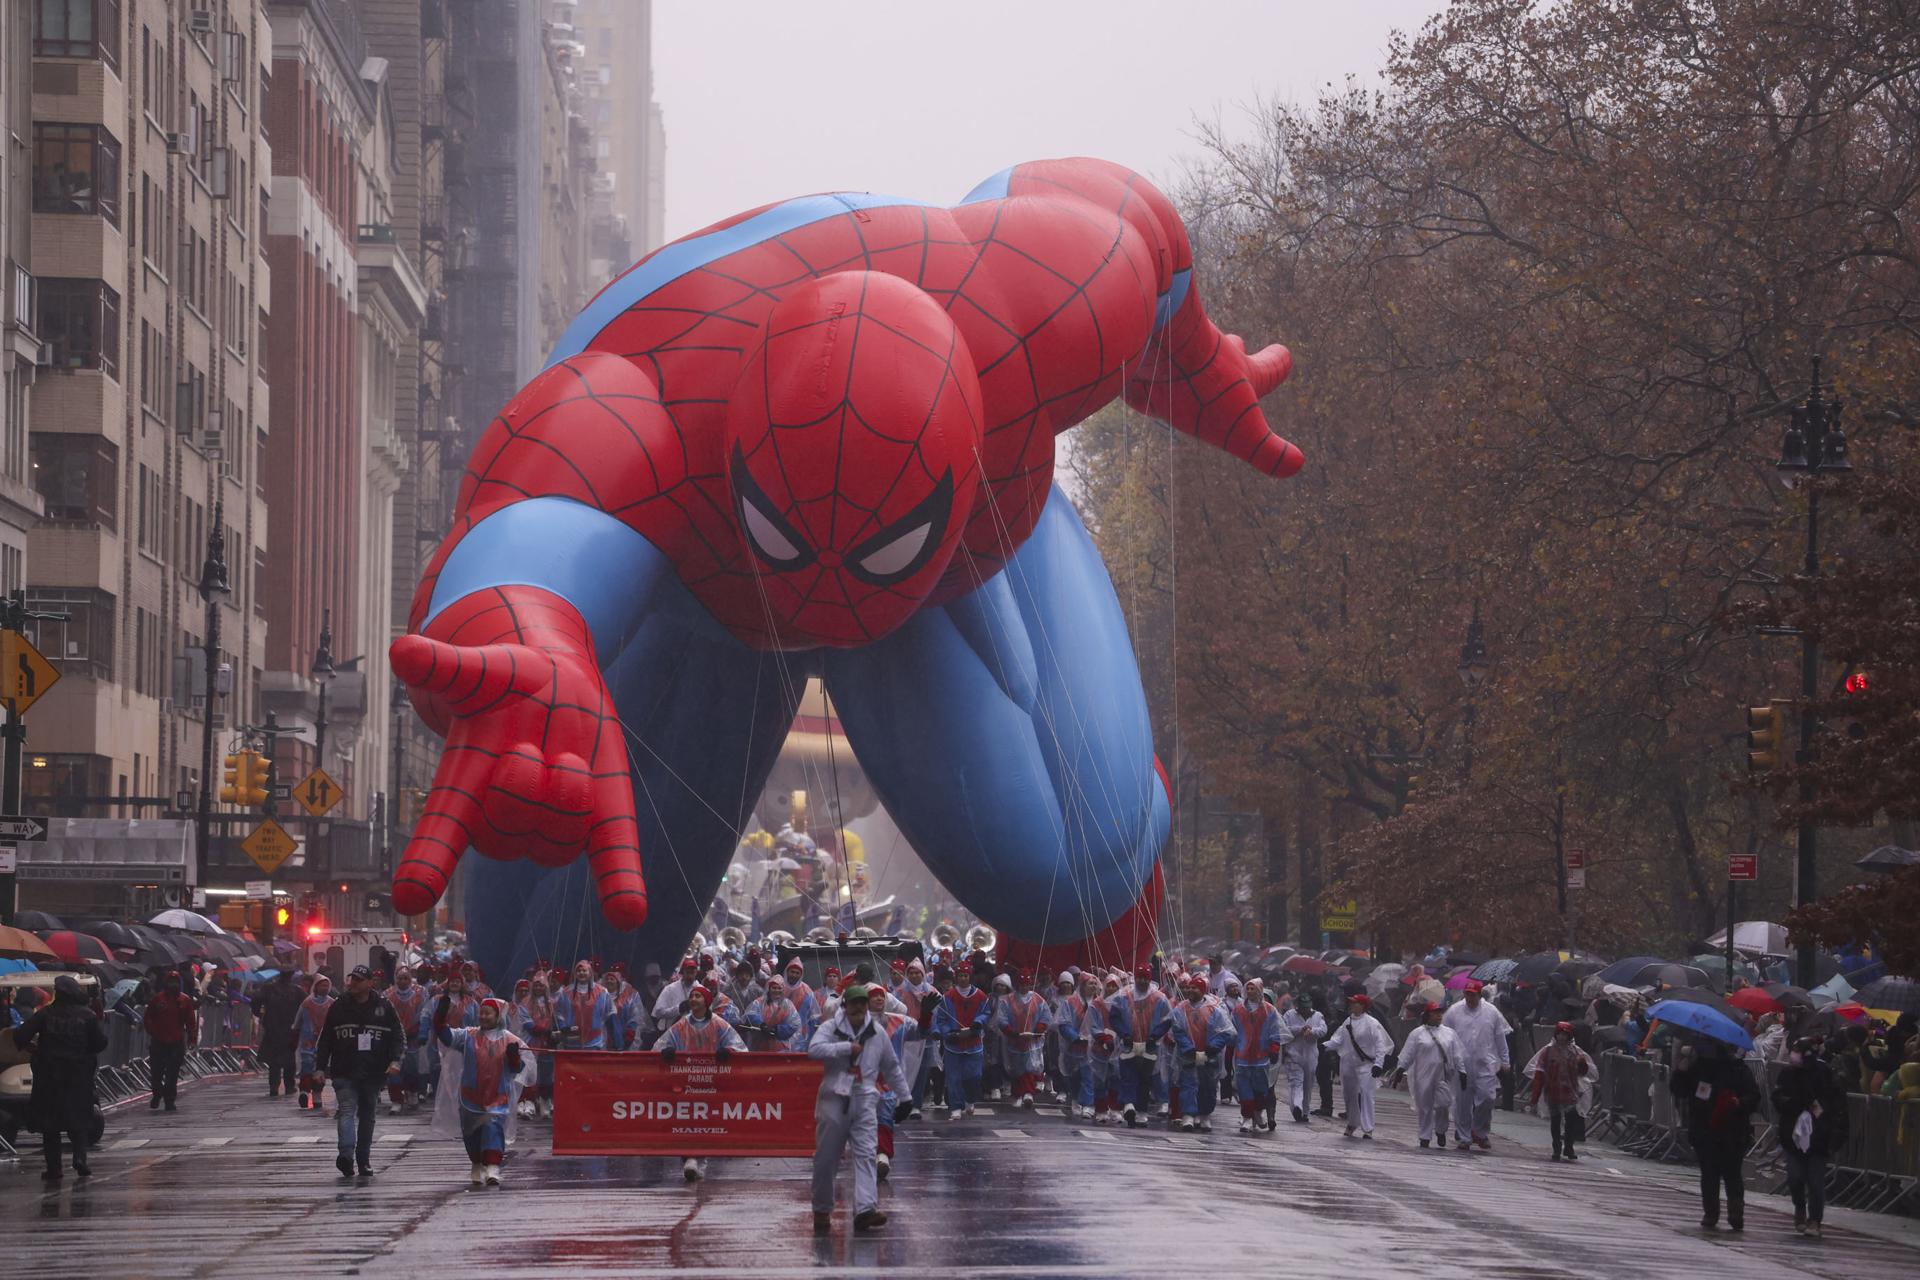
x=896, y=556
x=767, y=538
x=777, y=543
x=903, y=548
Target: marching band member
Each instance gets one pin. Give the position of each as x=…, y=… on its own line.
x=584, y=1012
x=533, y=1022
x=904, y=1032
x=959, y=1020
x=993, y=1072
x=1259, y=1037
x=307, y=1025
x=1209, y=1032
x=800, y=993
x=671, y=1006
x=1071, y=1014
x=700, y=1031
x=408, y=999
x=774, y=1017
x=490, y=1064
x=1362, y=1046
x=1305, y=1030
x=1103, y=1048
x=859, y=1059
x=1143, y=1017
x=1430, y=1062
x=470, y=976
x=1023, y=1018
x=623, y=1028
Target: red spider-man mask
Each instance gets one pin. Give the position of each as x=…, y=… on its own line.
x=853, y=439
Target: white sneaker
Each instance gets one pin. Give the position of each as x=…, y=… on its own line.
x=493, y=1175
x=1026, y=1102
x=1162, y=1109
x=1206, y=1126
x=970, y=1109
x=882, y=1164
x=690, y=1169
x=393, y=1108
x=956, y=1114
x=1186, y=1123
x=1246, y=1124
x=479, y=1175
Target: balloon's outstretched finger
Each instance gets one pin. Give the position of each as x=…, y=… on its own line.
x=444, y=833
x=462, y=677
x=613, y=852
x=1269, y=368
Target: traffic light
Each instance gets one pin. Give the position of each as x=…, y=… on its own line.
x=234, y=784
x=253, y=785
x=1766, y=734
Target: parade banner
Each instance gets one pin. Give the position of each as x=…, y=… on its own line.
x=628, y=1104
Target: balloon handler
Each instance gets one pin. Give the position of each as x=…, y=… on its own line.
x=818, y=439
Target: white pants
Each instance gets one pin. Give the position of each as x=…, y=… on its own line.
x=1301, y=1082
x=842, y=1122
x=1357, y=1086
x=1473, y=1109
x=1432, y=1104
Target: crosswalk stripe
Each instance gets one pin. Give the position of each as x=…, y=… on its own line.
x=1009, y=1133
x=396, y=1137
x=298, y=1141
x=128, y=1144
x=1100, y=1134
x=214, y=1142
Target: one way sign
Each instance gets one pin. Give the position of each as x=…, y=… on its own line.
x=17, y=829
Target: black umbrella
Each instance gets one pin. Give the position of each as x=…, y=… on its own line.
x=115, y=933
x=1536, y=967
x=1901, y=995
x=37, y=922
x=1787, y=996
x=1889, y=858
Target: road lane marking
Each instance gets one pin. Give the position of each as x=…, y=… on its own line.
x=1099, y=1134
x=1009, y=1133
x=128, y=1144
x=395, y=1137
x=299, y=1141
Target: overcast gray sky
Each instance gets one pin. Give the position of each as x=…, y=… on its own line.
x=766, y=99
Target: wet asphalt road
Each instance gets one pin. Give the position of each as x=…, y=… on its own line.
x=236, y=1185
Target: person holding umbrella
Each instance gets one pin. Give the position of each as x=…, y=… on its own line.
x=1811, y=1113
x=1717, y=1094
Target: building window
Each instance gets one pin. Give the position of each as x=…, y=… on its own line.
x=62, y=785
x=81, y=320
x=76, y=169
x=84, y=638
x=77, y=29
x=76, y=477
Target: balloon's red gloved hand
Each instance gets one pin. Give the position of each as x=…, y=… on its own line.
x=535, y=763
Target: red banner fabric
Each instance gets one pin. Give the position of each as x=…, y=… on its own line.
x=628, y=1104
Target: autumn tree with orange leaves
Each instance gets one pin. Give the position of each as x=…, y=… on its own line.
x=1551, y=292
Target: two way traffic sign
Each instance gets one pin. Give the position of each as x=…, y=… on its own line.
x=269, y=845
x=318, y=793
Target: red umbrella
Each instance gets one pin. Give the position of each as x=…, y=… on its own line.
x=1852, y=1011
x=1754, y=1001
x=1307, y=965
x=77, y=948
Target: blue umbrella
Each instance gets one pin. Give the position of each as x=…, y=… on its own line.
x=1702, y=1020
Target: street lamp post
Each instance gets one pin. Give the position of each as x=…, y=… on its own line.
x=1473, y=673
x=213, y=589
x=322, y=671
x=1814, y=444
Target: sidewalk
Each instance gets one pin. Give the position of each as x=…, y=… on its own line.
x=1523, y=1136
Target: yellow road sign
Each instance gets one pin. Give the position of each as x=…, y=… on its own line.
x=25, y=675
x=318, y=793
x=1340, y=917
x=269, y=845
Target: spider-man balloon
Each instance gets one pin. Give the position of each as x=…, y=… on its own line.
x=817, y=439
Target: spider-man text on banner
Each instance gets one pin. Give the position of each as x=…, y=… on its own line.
x=628, y=1104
